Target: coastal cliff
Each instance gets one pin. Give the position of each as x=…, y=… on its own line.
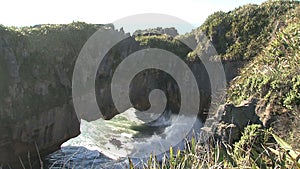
x=36, y=66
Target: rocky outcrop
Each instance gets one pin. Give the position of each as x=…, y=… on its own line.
x=25, y=141
x=235, y=118
x=230, y=120
x=172, y=32
x=36, y=111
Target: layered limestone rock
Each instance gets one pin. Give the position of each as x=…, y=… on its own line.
x=230, y=120
x=156, y=31
x=36, y=111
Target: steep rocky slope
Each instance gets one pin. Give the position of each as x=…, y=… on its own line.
x=36, y=114
x=273, y=77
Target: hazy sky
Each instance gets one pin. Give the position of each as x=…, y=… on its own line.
x=32, y=12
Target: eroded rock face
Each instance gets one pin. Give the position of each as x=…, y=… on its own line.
x=36, y=111
x=157, y=31
x=230, y=120
x=41, y=134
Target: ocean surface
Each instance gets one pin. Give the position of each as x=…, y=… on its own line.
x=109, y=143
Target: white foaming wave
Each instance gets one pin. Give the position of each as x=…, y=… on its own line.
x=172, y=132
x=175, y=126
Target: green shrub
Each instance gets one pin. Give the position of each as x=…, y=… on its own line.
x=274, y=75
x=164, y=42
x=241, y=34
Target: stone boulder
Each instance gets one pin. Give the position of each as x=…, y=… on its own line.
x=230, y=120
